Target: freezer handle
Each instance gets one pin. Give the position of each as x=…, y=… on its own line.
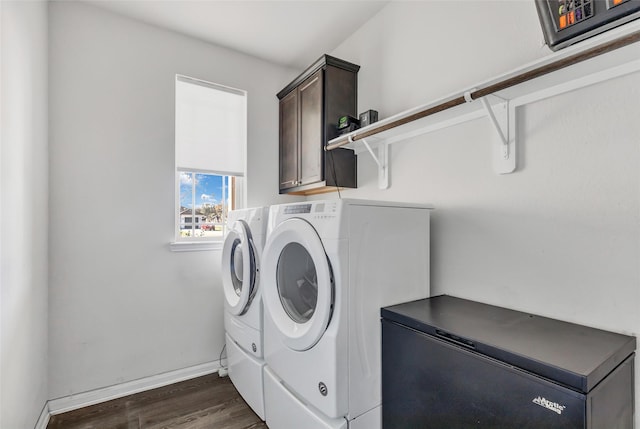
x=452, y=338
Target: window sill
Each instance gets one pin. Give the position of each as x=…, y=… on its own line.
x=195, y=246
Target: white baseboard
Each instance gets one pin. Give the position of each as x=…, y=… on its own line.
x=43, y=420
x=80, y=400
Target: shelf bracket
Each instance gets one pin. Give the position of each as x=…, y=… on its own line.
x=502, y=117
x=381, y=159
x=497, y=126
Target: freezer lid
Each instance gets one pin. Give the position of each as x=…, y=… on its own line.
x=576, y=356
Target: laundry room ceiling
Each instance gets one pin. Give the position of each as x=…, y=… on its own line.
x=291, y=33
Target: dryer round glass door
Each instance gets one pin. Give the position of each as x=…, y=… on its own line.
x=298, y=284
x=239, y=268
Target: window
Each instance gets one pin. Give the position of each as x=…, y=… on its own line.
x=212, y=197
x=210, y=157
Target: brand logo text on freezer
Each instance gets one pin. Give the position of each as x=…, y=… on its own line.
x=553, y=406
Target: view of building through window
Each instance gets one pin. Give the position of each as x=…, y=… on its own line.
x=205, y=200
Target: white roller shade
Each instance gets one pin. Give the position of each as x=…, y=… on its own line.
x=211, y=127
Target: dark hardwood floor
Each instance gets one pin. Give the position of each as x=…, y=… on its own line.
x=201, y=403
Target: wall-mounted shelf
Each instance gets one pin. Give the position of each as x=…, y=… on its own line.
x=609, y=55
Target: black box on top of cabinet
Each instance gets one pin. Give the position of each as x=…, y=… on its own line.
x=310, y=108
x=453, y=363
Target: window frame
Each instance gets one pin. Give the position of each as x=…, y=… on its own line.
x=236, y=196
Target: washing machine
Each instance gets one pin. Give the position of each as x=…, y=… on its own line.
x=328, y=268
x=243, y=309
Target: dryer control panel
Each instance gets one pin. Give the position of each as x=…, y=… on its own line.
x=325, y=216
x=297, y=209
x=315, y=208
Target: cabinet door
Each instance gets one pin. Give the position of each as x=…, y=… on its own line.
x=289, y=157
x=311, y=132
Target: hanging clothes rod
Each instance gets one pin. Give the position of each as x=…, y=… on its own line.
x=493, y=88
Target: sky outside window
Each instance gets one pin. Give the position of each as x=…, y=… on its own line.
x=208, y=189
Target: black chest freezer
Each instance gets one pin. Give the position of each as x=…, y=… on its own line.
x=451, y=363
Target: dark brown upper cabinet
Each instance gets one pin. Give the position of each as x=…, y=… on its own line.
x=310, y=107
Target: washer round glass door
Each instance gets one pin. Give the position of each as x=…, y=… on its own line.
x=298, y=283
x=239, y=268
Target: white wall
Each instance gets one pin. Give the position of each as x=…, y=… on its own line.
x=122, y=305
x=23, y=213
x=560, y=236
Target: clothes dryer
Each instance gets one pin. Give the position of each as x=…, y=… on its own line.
x=328, y=268
x=243, y=315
